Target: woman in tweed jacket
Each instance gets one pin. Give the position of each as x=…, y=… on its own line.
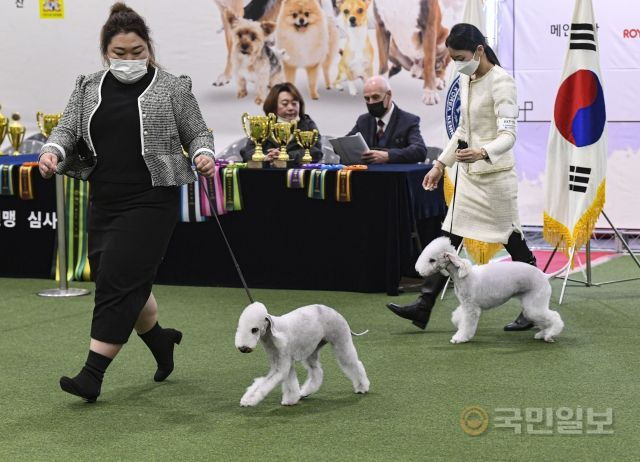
x=124, y=130
x=485, y=207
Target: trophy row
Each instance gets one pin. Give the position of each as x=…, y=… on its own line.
x=259, y=128
x=16, y=130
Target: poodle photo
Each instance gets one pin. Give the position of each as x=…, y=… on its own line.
x=297, y=336
x=481, y=287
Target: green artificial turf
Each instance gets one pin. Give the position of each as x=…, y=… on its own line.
x=420, y=383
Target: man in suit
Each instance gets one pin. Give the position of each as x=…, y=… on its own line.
x=393, y=134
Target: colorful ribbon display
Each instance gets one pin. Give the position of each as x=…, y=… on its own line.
x=76, y=204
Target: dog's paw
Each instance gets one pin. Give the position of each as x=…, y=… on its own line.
x=459, y=339
x=338, y=86
x=258, y=100
x=221, y=80
x=249, y=401
x=362, y=388
x=290, y=400
x=539, y=335
x=430, y=97
x=439, y=83
x=242, y=93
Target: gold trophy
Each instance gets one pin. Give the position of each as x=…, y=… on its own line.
x=16, y=133
x=282, y=133
x=4, y=123
x=306, y=139
x=257, y=129
x=46, y=122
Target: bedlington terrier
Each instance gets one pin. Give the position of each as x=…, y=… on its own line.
x=487, y=286
x=297, y=336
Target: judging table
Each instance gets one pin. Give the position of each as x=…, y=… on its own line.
x=282, y=239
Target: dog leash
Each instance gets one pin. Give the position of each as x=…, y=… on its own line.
x=453, y=199
x=226, y=241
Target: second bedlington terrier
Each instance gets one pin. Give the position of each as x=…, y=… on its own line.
x=297, y=336
x=487, y=286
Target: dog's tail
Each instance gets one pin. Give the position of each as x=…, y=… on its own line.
x=556, y=273
x=361, y=333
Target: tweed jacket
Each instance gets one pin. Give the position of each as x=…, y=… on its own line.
x=169, y=119
x=487, y=120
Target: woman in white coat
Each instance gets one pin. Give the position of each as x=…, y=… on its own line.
x=485, y=207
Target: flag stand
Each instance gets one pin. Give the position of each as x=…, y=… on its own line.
x=588, y=281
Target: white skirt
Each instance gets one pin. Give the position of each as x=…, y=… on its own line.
x=485, y=206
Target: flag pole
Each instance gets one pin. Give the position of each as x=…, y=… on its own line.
x=566, y=276
x=626, y=246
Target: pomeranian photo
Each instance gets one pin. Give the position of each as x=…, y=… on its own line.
x=307, y=32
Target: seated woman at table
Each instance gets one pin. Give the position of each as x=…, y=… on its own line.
x=284, y=100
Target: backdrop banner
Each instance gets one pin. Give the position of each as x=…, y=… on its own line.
x=42, y=58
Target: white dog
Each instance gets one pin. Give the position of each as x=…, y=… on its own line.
x=297, y=336
x=487, y=286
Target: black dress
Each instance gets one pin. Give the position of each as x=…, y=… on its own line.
x=130, y=221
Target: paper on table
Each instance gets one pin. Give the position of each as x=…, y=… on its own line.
x=350, y=148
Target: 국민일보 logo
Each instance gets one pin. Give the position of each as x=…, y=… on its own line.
x=474, y=420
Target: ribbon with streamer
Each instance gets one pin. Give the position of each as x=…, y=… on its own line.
x=295, y=178
x=25, y=184
x=343, y=186
x=232, y=195
x=316, y=184
x=6, y=180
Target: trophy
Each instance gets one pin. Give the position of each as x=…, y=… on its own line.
x=4, y=122
x=46, y=122
x=16, y=133
x=306, y=139
x=282, y=133
x=257, y=129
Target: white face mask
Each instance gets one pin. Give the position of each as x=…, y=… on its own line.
x=128, y=70
x=467, y=67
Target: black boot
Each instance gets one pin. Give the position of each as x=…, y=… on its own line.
x=88, y=382
x=521, y=323
x=419, y=311
x=161, y=343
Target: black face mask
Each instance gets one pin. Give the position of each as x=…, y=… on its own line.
x=377, y=109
